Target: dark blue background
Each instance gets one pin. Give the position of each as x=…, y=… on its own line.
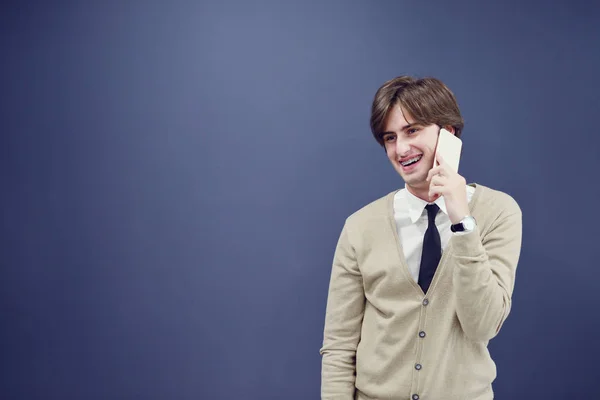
x=175, y=175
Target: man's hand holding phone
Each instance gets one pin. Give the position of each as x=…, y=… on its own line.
x=444, y=179
x=445, y=182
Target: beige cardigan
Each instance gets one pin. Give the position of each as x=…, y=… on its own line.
x=384, y=339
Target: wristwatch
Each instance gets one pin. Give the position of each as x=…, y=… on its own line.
x=467, y=224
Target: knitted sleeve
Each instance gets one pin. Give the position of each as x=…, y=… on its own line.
x=343, y=321
x=485, y=271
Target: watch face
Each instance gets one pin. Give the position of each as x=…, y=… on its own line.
x=469, y=224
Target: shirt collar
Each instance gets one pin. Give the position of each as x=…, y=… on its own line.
x=417, y=205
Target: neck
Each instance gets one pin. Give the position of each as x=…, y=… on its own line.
x=422, y=193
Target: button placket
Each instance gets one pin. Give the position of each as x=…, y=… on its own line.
x=424, y=302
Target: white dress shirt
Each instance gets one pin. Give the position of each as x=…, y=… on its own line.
x=411, y=222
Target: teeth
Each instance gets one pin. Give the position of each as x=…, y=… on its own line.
x=411, y=161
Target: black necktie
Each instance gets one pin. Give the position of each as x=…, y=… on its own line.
x=432, y=249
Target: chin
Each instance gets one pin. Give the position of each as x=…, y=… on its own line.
x=416, y=181
x=417, y=184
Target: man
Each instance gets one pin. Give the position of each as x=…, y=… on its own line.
x=422, y=278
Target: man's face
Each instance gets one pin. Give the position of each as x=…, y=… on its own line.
x=410, y=147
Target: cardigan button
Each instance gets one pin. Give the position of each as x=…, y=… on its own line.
x=422, y=334
x=425, y=302
x=418, y=367
x=415, y=397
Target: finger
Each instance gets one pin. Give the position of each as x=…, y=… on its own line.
x=435, y=191
x=433, y=197
x=438, y=171
x=434, y=171
x=438, y=180
x=442, y=170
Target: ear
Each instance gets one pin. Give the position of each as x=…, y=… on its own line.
x=450, y=129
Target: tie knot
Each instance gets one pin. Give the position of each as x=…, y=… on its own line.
x=432, y=210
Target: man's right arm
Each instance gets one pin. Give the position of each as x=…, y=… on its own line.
x=343, y=321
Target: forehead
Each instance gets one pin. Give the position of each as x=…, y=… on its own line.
x=397, y=119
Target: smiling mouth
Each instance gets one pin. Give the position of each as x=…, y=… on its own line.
x=411, y=161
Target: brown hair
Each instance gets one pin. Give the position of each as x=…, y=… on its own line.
x=427, y=100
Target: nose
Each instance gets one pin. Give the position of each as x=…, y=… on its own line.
x=402, y=148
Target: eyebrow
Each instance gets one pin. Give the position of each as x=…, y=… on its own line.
x=404, y=128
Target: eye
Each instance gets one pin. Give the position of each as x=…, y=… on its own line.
x=389, y=138
x=412, y=131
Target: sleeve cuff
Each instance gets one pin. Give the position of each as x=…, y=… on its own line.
x=468, y=243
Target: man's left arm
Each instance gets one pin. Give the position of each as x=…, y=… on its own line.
x=485, y=268
x=484, y=274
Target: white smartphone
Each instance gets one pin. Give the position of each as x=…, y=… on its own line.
x=450, y=147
